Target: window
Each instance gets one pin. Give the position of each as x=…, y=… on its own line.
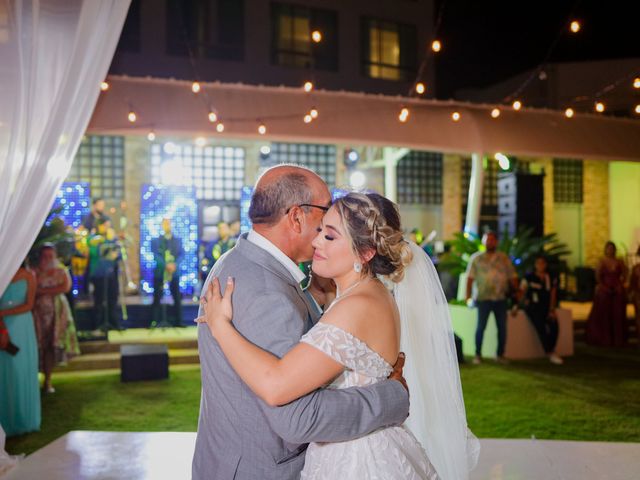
x=291, y=43
x=420, y=178
x=100, y=161
x=206, y=28
x=389, y=50
x=319, y=158
x=489, y=185
x=567, y=181
x=130, y=37
x=217, y=173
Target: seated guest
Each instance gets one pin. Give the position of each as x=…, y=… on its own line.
x=55, y=329
x=540, y=292
x=19, y=388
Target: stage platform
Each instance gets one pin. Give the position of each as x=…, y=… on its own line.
x=81, y=455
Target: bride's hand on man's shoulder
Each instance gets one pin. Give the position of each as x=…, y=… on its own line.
x=217, y=307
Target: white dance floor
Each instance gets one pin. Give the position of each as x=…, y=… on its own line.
x=123, y=455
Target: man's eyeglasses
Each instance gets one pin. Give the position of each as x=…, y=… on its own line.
x=323, y=208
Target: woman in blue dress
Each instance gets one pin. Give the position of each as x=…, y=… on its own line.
x=19, y=386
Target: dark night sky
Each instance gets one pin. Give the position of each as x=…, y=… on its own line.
x=485, y=42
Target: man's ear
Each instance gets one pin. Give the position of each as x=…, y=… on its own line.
x=296, y=219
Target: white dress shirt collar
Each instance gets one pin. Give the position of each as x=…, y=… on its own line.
x=260, y=241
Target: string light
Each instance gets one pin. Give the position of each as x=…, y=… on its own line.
x=599, y=107
x=575, y=26
x=436, y=46
x=151, y=136
x=195, y=87
x=201, y=141
x=316, y=36
x=132, y=116
x=637, y=109
x=308, y=86
x=495, y=113
x=220, y=127
x=313, y=112
x=308, y=118
x=517, y=105
x=569, y=112
x=636, y=82
x=420, y=88
x=262, y=129
x=455, y=116
x=213, y=118
x=404, y=114
x=104, y=86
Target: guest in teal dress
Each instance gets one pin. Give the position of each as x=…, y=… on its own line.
x=19, y=386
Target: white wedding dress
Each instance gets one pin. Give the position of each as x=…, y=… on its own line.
x=386, y=454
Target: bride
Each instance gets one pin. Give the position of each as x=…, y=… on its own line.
x=357, y=341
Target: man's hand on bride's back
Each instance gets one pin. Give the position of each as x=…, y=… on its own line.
x=396, y=374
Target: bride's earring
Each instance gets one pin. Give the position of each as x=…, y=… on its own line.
x=357, y=267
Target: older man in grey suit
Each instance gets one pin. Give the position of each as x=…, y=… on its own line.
x=240, y=436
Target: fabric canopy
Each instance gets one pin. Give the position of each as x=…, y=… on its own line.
x=169, y=106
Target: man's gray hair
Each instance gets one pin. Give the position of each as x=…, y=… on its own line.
x=271, y=201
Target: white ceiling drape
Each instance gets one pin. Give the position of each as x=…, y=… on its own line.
x=53, y=56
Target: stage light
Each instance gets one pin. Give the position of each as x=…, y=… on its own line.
x=220, y=127
x=132, y=117
x=517, y=105
x=308, y=86
x=104, y=86
x=495, y=113
x=420, y=88
x=316, y=36
x=357, y=179
x=599, y=106
x=455, y=116
x=503, y=161
x=313, y=112
x=308, y=118
x=403, y=116
x=200, y=141
x=636, y=82
x=213, y=118
x=151, y=136
x=569, y=112
x=436, y=46
x=265, y=150
x=575, y=26
x=195, y=87
x=262, y=129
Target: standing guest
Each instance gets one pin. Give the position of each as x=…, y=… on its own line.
x=167, y=252
x=540, y=292
x=494, y=275
x=607, y=319
x=104, y=253
x=225, y=243
x=55, y=329
x=634, y=293
x=90, y=221
x=19, y=388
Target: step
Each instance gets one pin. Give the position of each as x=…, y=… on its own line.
x=111, y=360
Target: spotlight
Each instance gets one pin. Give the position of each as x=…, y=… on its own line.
x=357, y=179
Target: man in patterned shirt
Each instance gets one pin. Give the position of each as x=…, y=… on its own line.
x=493, y=274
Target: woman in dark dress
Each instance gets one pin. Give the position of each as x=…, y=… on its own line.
x=606, y=325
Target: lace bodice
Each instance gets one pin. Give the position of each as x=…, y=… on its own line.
x=363, y=366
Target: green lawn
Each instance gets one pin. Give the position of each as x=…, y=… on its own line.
x=594, y=396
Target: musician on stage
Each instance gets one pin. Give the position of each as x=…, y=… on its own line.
x=167, y=252
x=90, y=221
x=104, y=254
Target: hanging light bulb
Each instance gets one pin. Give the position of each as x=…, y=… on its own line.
x=262, y=129
x=569, y=112
x=575, y=26
x=313, y=112
x=308, y=118
x=195, y=87
x=132, y=116
x=436, y=46
x=599, y=107
x=316, y=36
x=495, y=113
x=637, y=109
x=220, y=127
x=636, y=82
x=308, y=86
x=104, y=86
x=455, y=116
x=403, y=116
x=517, y=105
x=213, y=118
x=420, y=88
x=151, y=136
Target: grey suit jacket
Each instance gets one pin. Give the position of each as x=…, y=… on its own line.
x=240, y=436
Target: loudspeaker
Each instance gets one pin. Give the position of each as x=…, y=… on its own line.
x=520, y=202
x=144, y=362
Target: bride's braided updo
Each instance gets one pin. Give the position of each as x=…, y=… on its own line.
x=373, y=222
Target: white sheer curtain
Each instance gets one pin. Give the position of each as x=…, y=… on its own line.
x=53, y=56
